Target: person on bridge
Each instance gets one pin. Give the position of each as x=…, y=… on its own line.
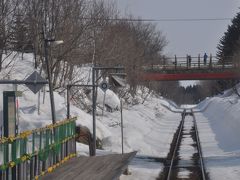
x=205, y=59
x=189, y=60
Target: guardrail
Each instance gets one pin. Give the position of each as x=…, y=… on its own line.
x=34, y=153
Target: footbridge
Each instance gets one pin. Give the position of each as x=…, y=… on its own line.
x=193, y=68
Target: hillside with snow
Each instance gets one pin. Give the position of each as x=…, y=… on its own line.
x=148, y=127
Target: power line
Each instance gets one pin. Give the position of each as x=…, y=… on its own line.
x=161, y=20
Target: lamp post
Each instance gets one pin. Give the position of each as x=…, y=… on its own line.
x=46, y=43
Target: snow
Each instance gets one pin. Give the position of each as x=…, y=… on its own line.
x=148, y=127
x=188, y=106
x=111, y=99
x=188, y=83
x=144, y=125
x=184, y=174
x=219, y=131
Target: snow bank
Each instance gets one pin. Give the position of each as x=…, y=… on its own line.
x=108, y=98
x=148, y=129
x=219, y=126
x=32, y=115
x=223, y=116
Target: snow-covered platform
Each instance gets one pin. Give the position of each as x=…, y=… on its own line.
x=106, y=167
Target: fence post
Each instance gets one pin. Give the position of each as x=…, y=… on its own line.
x=74, y=133
x=223, y=63
x=32, y=160
x=14, y=158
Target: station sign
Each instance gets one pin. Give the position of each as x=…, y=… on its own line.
x=104, y=86
x=9, y=113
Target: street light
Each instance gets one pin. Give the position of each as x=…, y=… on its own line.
x=46, y=44
x=55, y=43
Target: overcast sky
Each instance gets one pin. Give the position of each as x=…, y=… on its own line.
x=186, y=37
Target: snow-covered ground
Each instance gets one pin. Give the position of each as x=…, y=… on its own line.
x=148, y=127
x=219, y=126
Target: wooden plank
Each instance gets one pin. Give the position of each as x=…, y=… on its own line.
x=92, y=168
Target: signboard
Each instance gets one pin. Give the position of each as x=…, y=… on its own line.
x=35, y=82
x=9, y=113
x=104, y=86
x=11, y=116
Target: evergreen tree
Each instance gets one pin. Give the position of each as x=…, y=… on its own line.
x=229, y=42
x=228, y=51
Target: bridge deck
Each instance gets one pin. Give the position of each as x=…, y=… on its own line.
x=91, y=168
x=190, y=76
x=171, y=73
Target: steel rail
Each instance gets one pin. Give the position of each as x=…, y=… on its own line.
x=199, y=147
x=176, y=146
x=201, y=165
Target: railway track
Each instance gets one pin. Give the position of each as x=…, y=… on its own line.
x=185, y=160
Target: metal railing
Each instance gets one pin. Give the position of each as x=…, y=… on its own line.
x=196, y=63
x=182, y=65
x=34, y=153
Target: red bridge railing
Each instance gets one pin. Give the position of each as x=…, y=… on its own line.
x=194, y=68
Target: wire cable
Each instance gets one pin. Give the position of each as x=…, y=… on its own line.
x=161, y=20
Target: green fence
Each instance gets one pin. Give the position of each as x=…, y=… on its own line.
x=31, y=154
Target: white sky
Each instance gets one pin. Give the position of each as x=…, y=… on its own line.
x=186, y=37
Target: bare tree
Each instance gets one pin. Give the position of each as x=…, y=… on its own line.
x=7, y=13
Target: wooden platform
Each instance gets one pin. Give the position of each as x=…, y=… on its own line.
x=106, y=167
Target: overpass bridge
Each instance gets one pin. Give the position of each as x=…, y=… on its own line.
x=194, y=69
